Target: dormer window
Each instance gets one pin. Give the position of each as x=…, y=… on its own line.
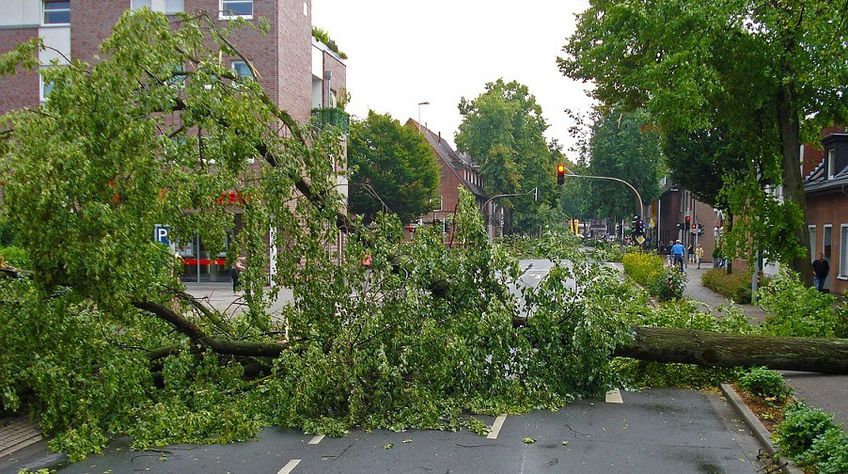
x=831, y=163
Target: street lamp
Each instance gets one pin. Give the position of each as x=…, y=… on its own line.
x=419, y=112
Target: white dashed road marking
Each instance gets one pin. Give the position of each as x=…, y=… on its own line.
x=496, y=427
x=614, y=396
x=289, y=467
x=317, y=439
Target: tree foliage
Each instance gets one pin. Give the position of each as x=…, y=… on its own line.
x=395, y=162
x=100, y=340
x=504, y=128
x=762, y=70
x=623, y=146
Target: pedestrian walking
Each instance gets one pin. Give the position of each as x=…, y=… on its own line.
x=669, y=256
x=820, y=270
x=690, y=252
x=699, y=255
x=235, y=272
x=677, y=253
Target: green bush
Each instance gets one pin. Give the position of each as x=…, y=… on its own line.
x=840, y=330
x=829, y=452
x=735, y=286
x=14, y=256
x=668, y=285
x=765, y=383
x=643, y=268
x=649, y=270
x=608, y=251
x=800, y=427
x=796, y=310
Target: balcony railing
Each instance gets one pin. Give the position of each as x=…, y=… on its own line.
x=331, y=117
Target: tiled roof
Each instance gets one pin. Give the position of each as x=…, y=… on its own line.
x=818, y=181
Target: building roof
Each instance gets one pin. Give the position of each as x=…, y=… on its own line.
x=453, y=160
x=818, y=182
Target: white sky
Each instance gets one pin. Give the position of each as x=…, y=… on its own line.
x=403, y=52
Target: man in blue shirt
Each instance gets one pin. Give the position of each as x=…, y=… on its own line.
x=677, y=253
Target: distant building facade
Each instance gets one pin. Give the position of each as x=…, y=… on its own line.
x=826, y=189
x=456, y=170
x=678, y=215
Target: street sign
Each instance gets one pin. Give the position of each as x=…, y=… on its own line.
x=160, y=234
x=640, y=239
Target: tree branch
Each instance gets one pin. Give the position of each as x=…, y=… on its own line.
x=205, y=341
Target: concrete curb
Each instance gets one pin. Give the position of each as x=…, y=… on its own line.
x=757, y=428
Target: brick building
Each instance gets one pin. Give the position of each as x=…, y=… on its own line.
x=826, y=188
x=299, y=73
x=678, y=215
x=455, y=170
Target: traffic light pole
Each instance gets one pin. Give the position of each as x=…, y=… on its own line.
x=607, y=178
x=489, y=227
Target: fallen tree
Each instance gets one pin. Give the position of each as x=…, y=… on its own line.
x=102, y=340
x=709, y=349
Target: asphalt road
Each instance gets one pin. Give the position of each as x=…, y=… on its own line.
x=656, y=431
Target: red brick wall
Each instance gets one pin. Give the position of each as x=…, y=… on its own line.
x=91, y=23
x=295, y=54
x=339, y=71
x=706, y=216
x=813, y=155
x=20, y=90
x=830, y=209
x=258, y=48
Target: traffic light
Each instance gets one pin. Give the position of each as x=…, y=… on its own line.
x=688, y=220
x=560, y=174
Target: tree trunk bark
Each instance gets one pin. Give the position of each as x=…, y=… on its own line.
x=793, y=184
x=711, y=349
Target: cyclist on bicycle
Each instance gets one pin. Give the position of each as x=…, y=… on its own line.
x=677, y=253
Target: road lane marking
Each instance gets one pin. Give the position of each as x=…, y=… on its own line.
x=317, y=439
x=289, y=467
x=614, y=396
x=496, y=427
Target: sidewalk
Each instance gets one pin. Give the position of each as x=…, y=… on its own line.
x=827, y=392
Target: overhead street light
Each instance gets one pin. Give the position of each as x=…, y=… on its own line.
x=419, y=112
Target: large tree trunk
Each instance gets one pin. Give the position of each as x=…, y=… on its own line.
x=711, y=349
x=793, y=185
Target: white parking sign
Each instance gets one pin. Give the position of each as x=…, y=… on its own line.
x=160, y=234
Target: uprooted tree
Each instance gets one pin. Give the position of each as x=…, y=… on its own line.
x=100, y=338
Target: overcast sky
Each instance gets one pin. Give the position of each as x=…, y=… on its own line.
x=403, y=52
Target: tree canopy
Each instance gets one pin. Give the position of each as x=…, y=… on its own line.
x=765, y=70
x=396, y=163
x=623, y=146
x=504, y=128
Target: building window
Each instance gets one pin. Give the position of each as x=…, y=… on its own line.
x=831, y=162
x=57, y=12
x=237, y=8
x=44, y=88
x=827, y=242
x=242, y=69
x=843, y=252
x=174, y=6
x=812, y=230
x=171, y=6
